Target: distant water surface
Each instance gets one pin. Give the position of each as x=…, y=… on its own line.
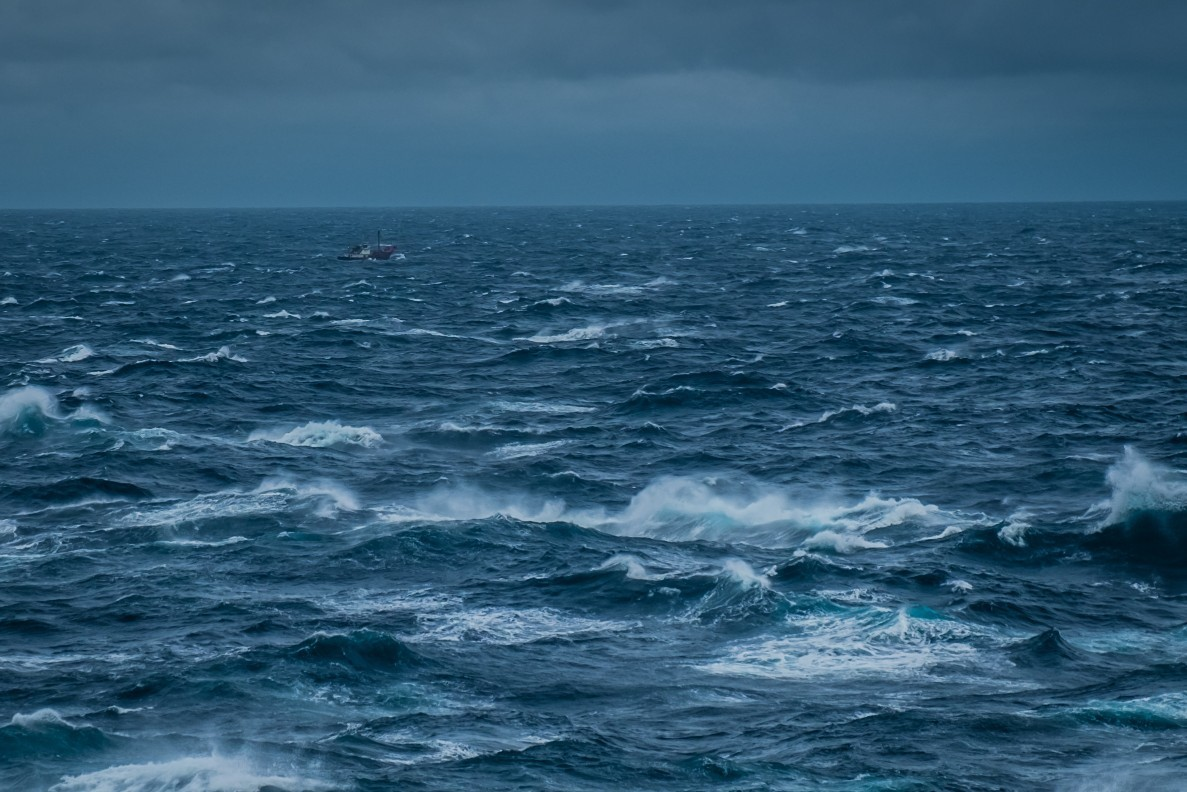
x=742, y=498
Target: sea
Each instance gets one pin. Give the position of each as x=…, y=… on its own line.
x=836, y=498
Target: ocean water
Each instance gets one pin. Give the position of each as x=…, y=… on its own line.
x=741, y=498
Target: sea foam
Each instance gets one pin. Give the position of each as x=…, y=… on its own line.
x=320, y=434
x=190, y=774
x=1140, y=486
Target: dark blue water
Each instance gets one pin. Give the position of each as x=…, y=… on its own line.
x=750, y=498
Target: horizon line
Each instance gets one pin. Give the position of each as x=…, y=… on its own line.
x=693, y=204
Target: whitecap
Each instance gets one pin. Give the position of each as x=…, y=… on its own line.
x=587, y=333
x=685, y=509
x=320, y=434
x=1138, y=485
x=521, y=450
x=273, y=496
x=865, y=642
x=282, y=314
x=72, y=354
x=509, y=627
x=841, y=542
x=942, y=355
x=150, y=342
x=629, y=564
x=860, y=409
x=9, y=301
x=542, y=407
x=40, y=718
x=190, y=774
x=26, y=411
x=888, y=299
x=223, y=353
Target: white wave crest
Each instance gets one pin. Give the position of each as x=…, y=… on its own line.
x=655, y=343
x=521, y=450
x=629, y=564
x=9, y=301
x=508, y=627
x=320, y=434
x=684, y=509
x=282, y=314
x=26, y=410
x=942, y=355
x=841, y=542
x=191, y=774
x=862, y=643
x=150, y=342
x=860, y=409
x=73, y=354
x=40, y=719
x=542, y=407
x=601, y=288
x=1139, y=485
x=273, y=496
x=223, y=353
x=587, y=333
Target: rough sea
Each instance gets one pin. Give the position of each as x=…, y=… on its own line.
x=737, y=498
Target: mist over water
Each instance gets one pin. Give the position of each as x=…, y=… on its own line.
x=841, y=498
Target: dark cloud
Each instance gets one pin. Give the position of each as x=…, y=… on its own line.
x=300, y=44
x=437, y=90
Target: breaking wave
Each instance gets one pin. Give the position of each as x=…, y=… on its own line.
x=28, y=411
x=684, y=509
x=190, y=774
x=320, y=434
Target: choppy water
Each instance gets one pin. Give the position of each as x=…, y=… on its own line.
x=795, y=498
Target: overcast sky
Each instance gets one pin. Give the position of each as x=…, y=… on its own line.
x=192, y=103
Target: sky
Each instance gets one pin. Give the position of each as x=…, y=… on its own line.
x=212, y=103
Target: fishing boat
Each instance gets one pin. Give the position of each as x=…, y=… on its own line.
x=367, y=252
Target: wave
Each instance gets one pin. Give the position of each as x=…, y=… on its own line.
x=613, y=289
x=74, y=354
x=1164, y=711
x=587, y=333
x=859, y=409
x=223, y=353
x=46, y=733
x=511, y=627
x=543, y=407
x=190, y=774
x=1147, y=512
x=28, y=411
x=273, y=496
x=82, y=489
x=522, y=450
x=857, y=642
x=681, y=509
x=684, y=509
x=361, y=650
x=320, y=434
